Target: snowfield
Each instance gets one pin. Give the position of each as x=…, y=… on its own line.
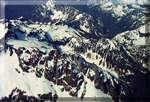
x=32, y=85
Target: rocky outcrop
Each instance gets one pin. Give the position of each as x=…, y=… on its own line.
x=18, y=95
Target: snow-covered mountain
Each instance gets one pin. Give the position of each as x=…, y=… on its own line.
x=77, y=52
x=141, y=2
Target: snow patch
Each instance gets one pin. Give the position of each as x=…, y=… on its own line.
x=3, y=31
x=31, y=42
x=78, y=16
x=91, y=91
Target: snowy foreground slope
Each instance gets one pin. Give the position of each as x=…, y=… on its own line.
x=67, y=52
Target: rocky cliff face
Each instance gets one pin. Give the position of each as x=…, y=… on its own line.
x=78, y=54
